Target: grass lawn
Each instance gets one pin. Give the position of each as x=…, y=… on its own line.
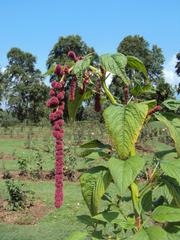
x=58, y=223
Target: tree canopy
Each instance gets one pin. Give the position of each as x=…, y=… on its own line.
x=24, y=87
x=59, y=53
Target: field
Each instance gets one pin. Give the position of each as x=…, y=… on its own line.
x=30, y=143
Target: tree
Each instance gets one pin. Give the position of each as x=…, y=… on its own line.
x=59, y=55
x=178, y=70
x=25, y=90
x=178, y=64
x=1, y=86
x=153, y=60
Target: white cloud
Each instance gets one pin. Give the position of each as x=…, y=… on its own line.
x=169, y=72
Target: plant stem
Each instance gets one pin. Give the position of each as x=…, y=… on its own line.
x=108, y=93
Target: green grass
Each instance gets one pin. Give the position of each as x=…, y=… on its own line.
x=59, y=223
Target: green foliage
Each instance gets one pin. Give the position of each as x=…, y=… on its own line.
x=154, y=190
x=124, y=123
x=171, y=168
x=138, y=47
x=166, y=214
x=125, y=172
x=24, y=87
x=151, y=233
x=133, y=62
x=73, y=106
x=23, y=165
x=80, y=67
x=172, y=104
x=59, y=52
x=115, y=64
x=77, y=236
x=178, y=64
x=38, y=170
x=173, y=127
x=93, y=186
x=18, y=197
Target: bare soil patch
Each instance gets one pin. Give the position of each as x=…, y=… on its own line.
x=28, y=216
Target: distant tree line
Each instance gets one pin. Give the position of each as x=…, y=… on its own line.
x=23, y=86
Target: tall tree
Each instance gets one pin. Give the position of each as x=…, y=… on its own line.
x=59, y=53
x=178, y=70
x=25, y=90
x=153, y=60
x=178, y=64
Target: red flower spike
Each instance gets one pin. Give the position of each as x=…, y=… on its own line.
x=72, y=89
x=52, y=102
x=97, y=103
x=154, y=109
x=52, y=92
x=58, y=70
x=66, y=70
x=72, y=55
x=56, y=101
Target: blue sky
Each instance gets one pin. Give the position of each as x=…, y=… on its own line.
x=36, y=25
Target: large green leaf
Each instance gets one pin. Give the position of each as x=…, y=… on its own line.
x=171, y=168
x=93, y=186
x=82, y=65
x=173, y=125
x=151, y=233
x=124, y=123
x=172, y=104
x=166, y=214
x=74, y=105
x=173, y=188
x=115, y=64
x=107, y=216
x=124, y=172
x=137, y=64
x=79, y=235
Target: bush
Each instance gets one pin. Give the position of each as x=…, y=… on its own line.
x=18, y=197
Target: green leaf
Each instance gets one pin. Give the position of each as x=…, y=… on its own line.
x=173, y=125
x=95, y=144
x=124, y=172
x=115, y=64
x=93, y=186
x=151, y=233
x=95, y=154
x=172, y=104
x=166, y=214
x=146, y=201
x=50, y=70
x=173, y=188
x=138, y=89
x=137, y=64
x=107, y=216
x=124, y=123
x=86, y=219
x=82, y=65
x=79, y=235
x=171, y=168
x=74, y=105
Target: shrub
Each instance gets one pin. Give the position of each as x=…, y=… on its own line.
x=18, y=197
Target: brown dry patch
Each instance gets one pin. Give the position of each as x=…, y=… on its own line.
x=5, y=157
x=142, y=148
x=46, y=176
x=28, y=216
